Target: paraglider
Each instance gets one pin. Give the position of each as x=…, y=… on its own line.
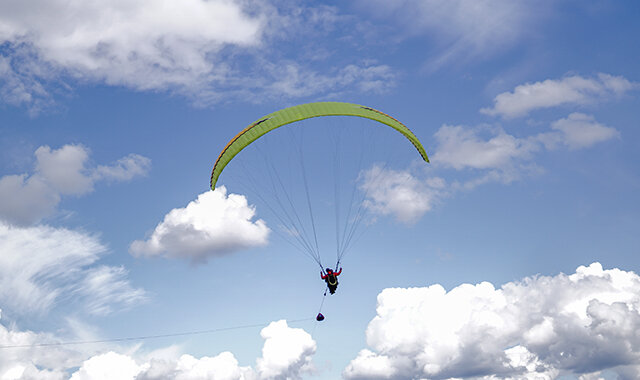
x=291, y=222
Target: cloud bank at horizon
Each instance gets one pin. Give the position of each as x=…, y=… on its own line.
x=538, y=327
x=535, y=328
x=286, y=354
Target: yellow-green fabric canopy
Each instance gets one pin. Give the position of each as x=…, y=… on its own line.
x=301, y=112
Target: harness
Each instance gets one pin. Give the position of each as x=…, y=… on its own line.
x=332, y=279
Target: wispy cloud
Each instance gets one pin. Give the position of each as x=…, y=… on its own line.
x=27, y=198
x=41, y=266
x=20, y=84
x=214, y=224
x=572, y=90
x=105, y=287
x=290, y=79
x=538, y=327
x=461, y=29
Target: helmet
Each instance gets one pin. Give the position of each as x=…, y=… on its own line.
x=329, y=270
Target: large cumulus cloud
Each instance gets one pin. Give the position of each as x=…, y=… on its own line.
x=538, y=327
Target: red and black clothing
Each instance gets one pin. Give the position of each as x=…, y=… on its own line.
x=331, y=278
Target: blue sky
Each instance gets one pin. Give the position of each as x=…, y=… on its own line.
x=513, y=254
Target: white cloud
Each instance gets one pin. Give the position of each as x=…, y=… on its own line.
x=492, y=154
x=214, y=224
x=124, y=169
x=488, y=153
x=223, y=366
x=26, y=199
x=47, y=363
x=578, y=131
x=460, y=148
x=556, y=92
x=399, y=193
x=18, y=88
x=64, y=169
x=368, y=78
x=290, y=79
x=540, y=326
x=41, y=265
x=106, y=367
x=208, y=51
x=107, y=286
x=142, y=43
x=501, y=157
x=286, y=354
x=369, y=365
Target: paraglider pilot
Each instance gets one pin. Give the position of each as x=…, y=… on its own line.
x=331, y=278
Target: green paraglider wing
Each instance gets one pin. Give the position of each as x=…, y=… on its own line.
x=301, y=112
